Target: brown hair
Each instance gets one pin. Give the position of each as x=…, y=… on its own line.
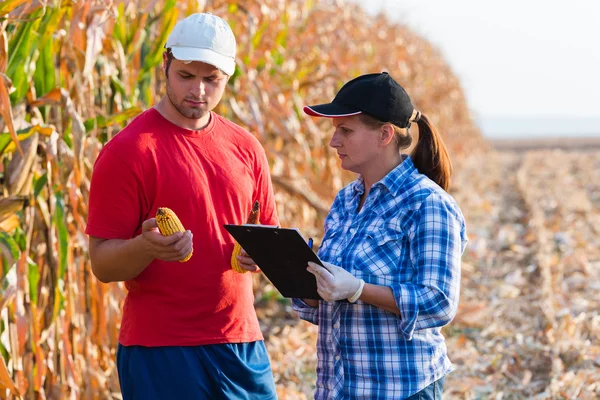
x=430, y=155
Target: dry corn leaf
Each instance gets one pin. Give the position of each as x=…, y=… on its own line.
x=6, y=381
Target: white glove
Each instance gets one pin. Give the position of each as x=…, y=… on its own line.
x=334, y=283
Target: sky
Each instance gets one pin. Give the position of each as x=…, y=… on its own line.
x=523, y=59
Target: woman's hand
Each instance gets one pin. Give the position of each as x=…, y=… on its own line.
x=333, y=283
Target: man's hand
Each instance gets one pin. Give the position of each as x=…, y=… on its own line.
x=174, y=247
x=333, y=283
x=246, y=262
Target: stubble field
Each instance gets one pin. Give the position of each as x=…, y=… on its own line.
x=528, y=326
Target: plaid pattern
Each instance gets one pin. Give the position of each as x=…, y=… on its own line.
x=410, y=236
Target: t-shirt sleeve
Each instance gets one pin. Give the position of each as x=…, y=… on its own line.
x=264, y=190
x=115, y=201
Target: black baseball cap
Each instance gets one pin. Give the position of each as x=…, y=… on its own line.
x=377, y=95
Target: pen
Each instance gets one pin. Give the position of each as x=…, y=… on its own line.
x=310, y=243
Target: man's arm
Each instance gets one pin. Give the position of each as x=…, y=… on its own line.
x=115, y=260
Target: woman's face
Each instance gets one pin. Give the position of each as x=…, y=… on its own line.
x=357, y=145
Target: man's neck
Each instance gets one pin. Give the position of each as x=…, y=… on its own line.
x=166, y=109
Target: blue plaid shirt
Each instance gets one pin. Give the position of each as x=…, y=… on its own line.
x=410, y=236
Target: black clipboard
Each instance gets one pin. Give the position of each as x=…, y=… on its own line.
x=282, y=255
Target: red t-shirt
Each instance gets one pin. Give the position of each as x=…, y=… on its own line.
x=208, y=178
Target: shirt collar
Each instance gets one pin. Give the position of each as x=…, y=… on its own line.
x=396, y=178
x=358, y=186
x=393, y=181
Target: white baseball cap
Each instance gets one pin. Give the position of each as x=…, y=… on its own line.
x=204, y=37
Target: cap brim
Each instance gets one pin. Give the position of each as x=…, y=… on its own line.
x=330, y=110
x=225, y=64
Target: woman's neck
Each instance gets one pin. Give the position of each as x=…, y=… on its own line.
x=378, y=169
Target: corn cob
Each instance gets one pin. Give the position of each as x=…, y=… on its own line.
x=252, y=219
x=168, y=223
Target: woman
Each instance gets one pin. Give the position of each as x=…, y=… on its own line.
x=392, y=251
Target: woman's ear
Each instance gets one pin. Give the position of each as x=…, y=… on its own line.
x=387, y=134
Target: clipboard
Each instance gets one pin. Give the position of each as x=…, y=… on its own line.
x=282, y=254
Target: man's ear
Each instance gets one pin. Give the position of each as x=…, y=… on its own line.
x=164, y=62
x=387, y=134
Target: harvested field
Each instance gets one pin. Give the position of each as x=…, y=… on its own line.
x=529, y=324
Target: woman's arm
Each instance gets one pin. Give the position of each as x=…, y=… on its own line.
x=437, y=241
x=379, y=296
x=311, y=302
x=335, y=283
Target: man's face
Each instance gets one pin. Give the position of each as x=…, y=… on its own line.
x=195, y=88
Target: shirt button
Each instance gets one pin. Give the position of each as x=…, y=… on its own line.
x=352, y=230
x=336, y=325
x=339, y=259
x=337, y=358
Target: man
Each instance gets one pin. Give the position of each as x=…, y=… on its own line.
x=189, y=329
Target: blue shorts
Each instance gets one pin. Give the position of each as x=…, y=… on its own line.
x=219, y=371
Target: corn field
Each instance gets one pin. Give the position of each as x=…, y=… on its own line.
x=73, y=73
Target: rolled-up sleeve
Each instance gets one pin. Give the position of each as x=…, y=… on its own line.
x=305, y=311
x=437, y=241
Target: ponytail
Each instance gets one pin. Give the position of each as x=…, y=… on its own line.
x=430, y=155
